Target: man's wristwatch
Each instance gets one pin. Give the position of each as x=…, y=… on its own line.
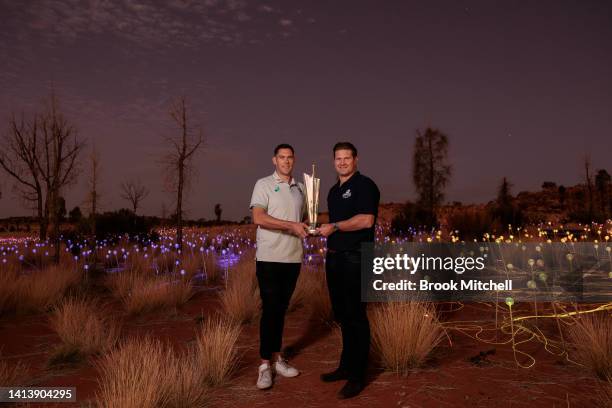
x=335, y=224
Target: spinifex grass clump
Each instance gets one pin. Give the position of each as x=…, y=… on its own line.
x=592, y=340
x=311, y=291
x=8, y=287
x=12, y=374
x=84, y=328
x=215, y=349
x=161, y=293
x=404, y=334
x=240, y=299
x=139, y=263
x=39, y=290
x=145, y=292
x=604, y=393
x=146, y=373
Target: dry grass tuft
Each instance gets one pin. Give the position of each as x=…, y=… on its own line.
x=604, y=394
x=146, y=373
x=157, y=294
x=166, y=262
x=41, y=290
x=8, y=288
x=83, y=330
x=121, y=283
x=592, y=339
x=216, y=349
x=12, y=374
x=311, y=291
x=212, y=272
x=137, y=263
x=240, y=300
x=141, y=294
x=403, y=334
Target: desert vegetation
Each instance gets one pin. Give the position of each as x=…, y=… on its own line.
x=12, y=373
x=84, y=328
x=240, y=299
x=40, y=290
x=98, y=301
x=215, y=349
x=311, y=292
x=404, y=334
x=147, y=373
x=591, y=337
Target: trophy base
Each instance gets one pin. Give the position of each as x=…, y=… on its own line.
x=312, y=231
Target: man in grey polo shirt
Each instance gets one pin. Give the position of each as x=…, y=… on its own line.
x=277, y=206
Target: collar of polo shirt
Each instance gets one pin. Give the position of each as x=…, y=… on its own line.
x=280, y=180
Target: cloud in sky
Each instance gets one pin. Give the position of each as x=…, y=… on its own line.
x=163, y=24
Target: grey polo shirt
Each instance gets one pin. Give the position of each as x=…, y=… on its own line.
x=284, y=201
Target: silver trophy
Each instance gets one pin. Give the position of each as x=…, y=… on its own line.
x=311, y=184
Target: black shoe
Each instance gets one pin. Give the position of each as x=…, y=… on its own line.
x=337, y=375
x=351, y=389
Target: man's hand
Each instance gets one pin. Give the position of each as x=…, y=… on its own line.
x=299, y=229
x=326, y=230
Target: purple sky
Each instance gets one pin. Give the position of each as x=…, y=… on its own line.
x=522, y=88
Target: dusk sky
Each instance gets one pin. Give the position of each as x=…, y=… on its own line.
x=523, y=89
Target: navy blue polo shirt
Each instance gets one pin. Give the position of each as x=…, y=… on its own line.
x=357, y=195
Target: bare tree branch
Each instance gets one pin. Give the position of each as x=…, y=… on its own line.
x=58, y=163
x=134, y=192
x=178, y=161
x=19, y=158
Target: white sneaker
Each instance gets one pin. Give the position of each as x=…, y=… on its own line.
x=264, y=380
x=283, y=368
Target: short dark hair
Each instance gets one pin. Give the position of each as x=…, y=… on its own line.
x=283, y=146
x=345, y=146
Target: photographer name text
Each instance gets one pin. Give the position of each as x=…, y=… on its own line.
x=425, y=285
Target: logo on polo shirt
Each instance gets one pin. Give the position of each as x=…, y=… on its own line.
x=347, y=193
x=276, y=189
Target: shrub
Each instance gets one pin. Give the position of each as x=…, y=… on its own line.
x=240, y=299
x=12, y=374
x=41, y=290
x=8, y=288
x=508, y=214
x=159, y=293
x=311, y=291
x=412, y=217
x=470, y=222
x=216, y=349
x=404, y=334
x=592, y=340
x=123, y=221
x=604, y=393
x=83, y=328
x=145, y=373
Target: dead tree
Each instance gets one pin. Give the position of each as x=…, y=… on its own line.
x=57, y=163
x=588, y=181
x=18, y=158
x=134, y=192
x=93, y=195
x=178, y=161
x=218, y=212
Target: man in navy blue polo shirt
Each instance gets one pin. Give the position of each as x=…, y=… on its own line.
x=353, y=207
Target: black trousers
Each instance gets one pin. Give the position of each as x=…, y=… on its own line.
x=276, y=285
x=343, y=272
